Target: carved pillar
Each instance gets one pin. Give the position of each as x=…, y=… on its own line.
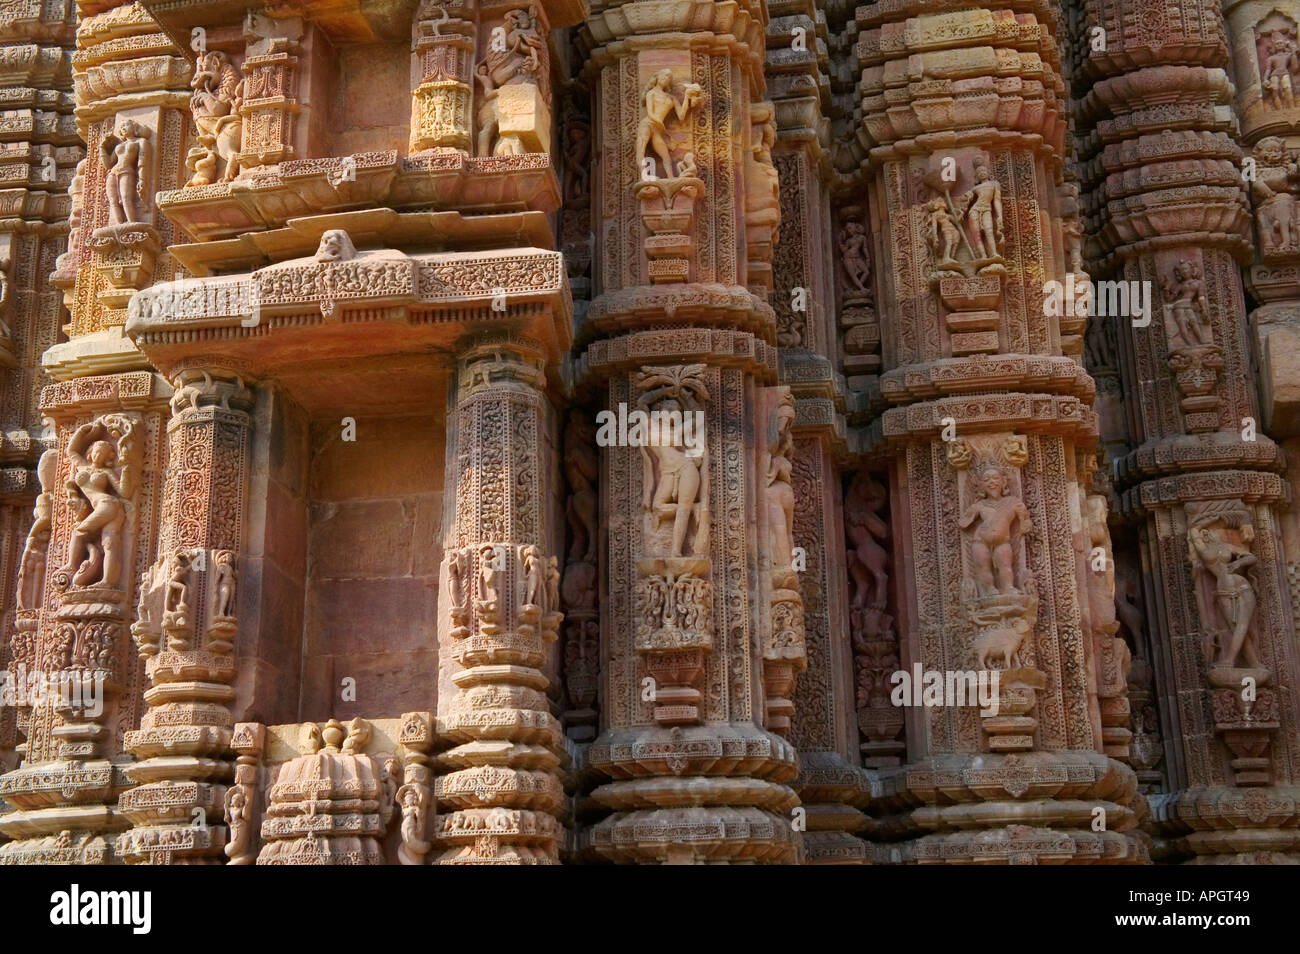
x=133, y=109
x=831, y=785
x=441, y=63
x=65, y=790
x=270, y=102
x=499, y=617
x=701, y=628
x=415, y=797
x=963, y=117
x=41, y=148
x=248, y=741
x=1166, y=171
x=186, y=626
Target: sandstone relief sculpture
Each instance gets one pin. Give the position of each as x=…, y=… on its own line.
x=458, y=570
x=855, y=258
x=780, y=494
x=413, y=799
x=1220, y=534
x=874, y=640
x=969, y=222
x=578, y=589
x=541, y=599
x=336, y=779
x=762, y=195
x=674, y=611
x=520, y=58
x=125, y=153
x=1279, y=61
x=1194, y=358
x=488, y=605
x=215, y=105
x=224, y=607
x=999, y=594
x=660, y=103
x=239, y=818
x=100, y=488
x=577, y=159
x=996, y=521
x=1187, y=310
x=442, y=47
x=943, y=233
x=784, y=649
x=1275, y=190
x=867, y=533
x=31, y=568
x=176, y=619
x=673, y=474
x=984, y=214
x=581, y=470
x=516, y=56
x=857, y=311
x=1219, y=546
x=335, y=246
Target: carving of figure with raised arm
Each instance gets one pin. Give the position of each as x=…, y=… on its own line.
x=97, y=490
x=659, y=105
x=1234, y=596
x=1189, y=306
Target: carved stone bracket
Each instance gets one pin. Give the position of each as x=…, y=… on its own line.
x=675, y=632
x=668, y=213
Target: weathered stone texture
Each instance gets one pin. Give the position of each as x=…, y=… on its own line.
x=577, y=431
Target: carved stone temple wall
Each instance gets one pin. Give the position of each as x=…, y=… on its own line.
x=586, y=432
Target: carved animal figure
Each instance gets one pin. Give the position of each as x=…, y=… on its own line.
x=1002, y=643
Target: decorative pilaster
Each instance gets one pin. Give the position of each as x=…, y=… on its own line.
x=963, y=119
x=499, y=618
x=1173, y=182
x=66, y=788
x=186, y=627
x=702, y=630
x=40, y=150
x=270, y=97
x=442, y=53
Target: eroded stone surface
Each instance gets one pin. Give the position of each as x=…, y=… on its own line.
x=536, y=431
